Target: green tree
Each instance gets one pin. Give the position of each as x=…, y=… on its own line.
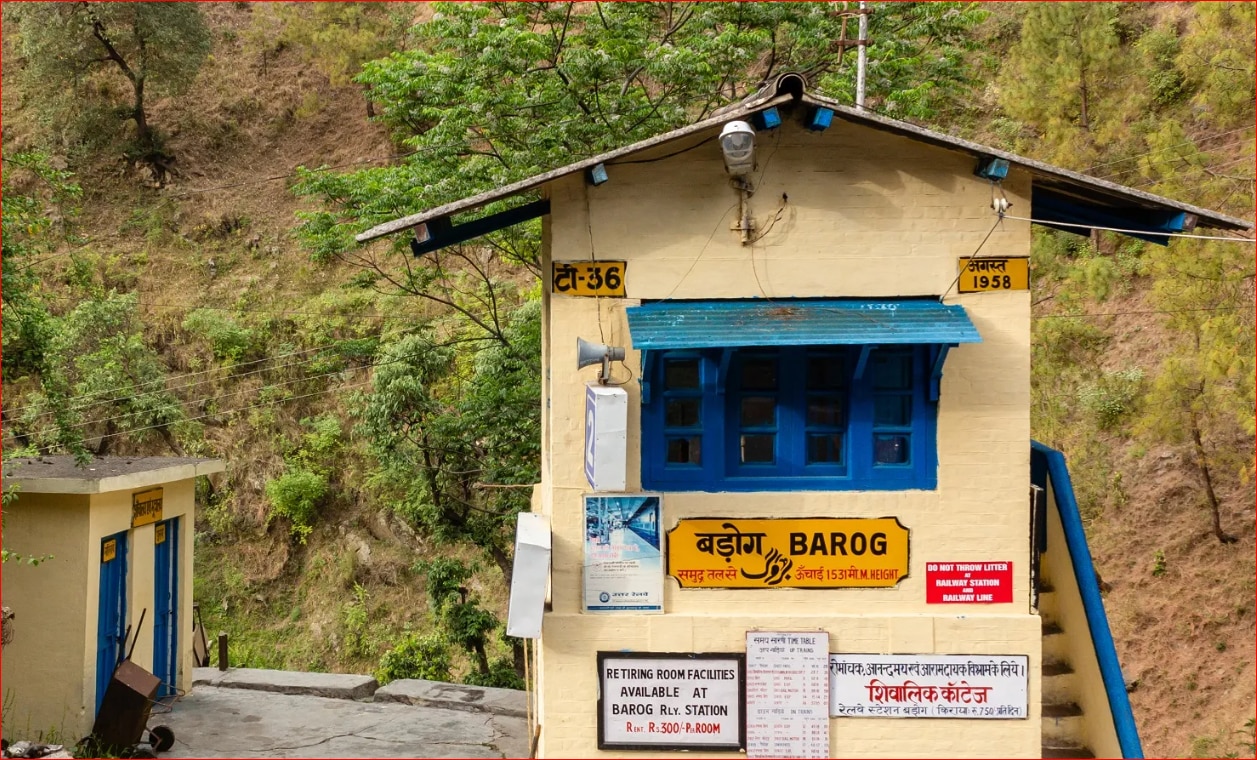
x=73, y=53
x=1062, y=79
x=38, y=202
x=338, y=38
x=494, y=92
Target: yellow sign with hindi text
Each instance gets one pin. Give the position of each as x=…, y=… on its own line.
x=982, y=274
x=146, y=507
x=822, y=552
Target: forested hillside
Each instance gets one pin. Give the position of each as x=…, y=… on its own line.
x=182, y=183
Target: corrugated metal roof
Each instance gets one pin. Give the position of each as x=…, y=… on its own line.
x=787, y=88
x=719, y=324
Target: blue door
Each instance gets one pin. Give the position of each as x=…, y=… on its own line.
x=166, y=601
x=111, y=623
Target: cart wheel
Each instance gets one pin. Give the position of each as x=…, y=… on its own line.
x=161, y=737
x=140, y=751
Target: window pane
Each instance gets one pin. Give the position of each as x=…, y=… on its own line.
x=682, y=412
x=824, y=448
x=759, y=411
x=892, y=410
x=759, y=374
x=757, y=449
x=685, y=450
x=826, y=373
x=892, y=372
x=890, y=449
x=680, y=373
x=826, y=411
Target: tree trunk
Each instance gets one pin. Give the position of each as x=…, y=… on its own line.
x=143, y=133
x=482, y=659
x=1202, y=464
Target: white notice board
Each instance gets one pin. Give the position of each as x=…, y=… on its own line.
x=787, y=694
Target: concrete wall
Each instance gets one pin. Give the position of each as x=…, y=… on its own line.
x=43, y=669
x=868, y=214
x=51, y=666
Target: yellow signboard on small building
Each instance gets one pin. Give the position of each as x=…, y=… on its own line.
x=589, y=278
x=788, y=553
x=146, y=507
x=988, y=273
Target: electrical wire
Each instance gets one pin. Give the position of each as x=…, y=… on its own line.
x=1151, y=311
x=238, y=409
x=973, y=256
x=201, y=401
x=170, y=378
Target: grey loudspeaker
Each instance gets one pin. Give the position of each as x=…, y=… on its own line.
x=592, y=353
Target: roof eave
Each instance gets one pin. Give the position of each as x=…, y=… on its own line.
x=746, y=108
x=1205, y=217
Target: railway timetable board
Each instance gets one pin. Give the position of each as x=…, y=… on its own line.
x=787, y=694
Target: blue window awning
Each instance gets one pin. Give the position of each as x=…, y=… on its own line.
x=729, y=324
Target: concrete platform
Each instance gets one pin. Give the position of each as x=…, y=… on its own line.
x=331, y=685
x=454, y=696
x=214, y=721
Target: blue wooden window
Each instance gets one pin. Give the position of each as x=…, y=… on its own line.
x=803, y=418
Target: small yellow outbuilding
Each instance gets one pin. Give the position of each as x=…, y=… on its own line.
x=117, y=535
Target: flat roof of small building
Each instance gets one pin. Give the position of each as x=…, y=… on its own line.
x=60, y=474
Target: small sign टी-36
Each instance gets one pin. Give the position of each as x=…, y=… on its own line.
x=588, y=278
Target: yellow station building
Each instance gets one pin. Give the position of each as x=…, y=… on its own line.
x=794, y=515
x=118, y=534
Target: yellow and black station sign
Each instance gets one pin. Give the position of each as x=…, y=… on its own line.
x=823, y=552
x=108, y=550
x=986, y=273
x=146, y=507
x=589, y=278
x=159, y=534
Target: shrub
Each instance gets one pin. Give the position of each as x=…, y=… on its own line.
x=1112, y=397
x=229, y=341
x=296, y=495
x=415, y=656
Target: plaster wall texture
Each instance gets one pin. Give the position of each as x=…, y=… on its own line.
x=869, y=215
x=53, y=665
x=43, y=666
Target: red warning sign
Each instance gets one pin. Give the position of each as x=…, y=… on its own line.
x=968, y=582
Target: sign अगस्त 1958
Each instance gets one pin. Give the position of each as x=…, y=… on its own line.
x=588, y=278
x=981, y=274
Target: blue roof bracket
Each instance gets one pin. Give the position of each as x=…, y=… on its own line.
x=992, y=168
x=725, y=357
x=769, y=118
x=821, y=119
x=936, y=373
x=648, y=363
x=863, y=361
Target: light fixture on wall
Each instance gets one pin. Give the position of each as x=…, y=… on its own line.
x=592, y=353
x=737, y=142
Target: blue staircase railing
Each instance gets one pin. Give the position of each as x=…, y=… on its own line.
x=1053, y=462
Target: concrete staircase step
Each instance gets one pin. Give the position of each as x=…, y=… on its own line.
x=1061, y=710
x=1065, y=751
